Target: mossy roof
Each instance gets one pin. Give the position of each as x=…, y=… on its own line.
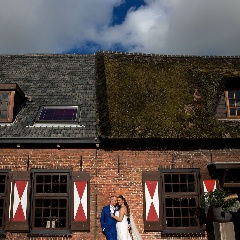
x=166, y=97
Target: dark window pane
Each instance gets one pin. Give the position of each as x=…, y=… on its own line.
x=192, y=202
x=4, y=106
x=177, y=222
x=63, y=188
x=169, y=212
x=185, y=222
x=176, y=202
x=58, y=114
x=47, y=179
x=2, y=183
x=183, y=188
x=39, y=188
x=183, y=178
x=5, y=96
x=47, y=188
x=63, y=179
x=55, y=188
x=168, y=202
x=191, y=188
x=63, y=203
x=184, y=202
x=184, y=212
x=193, y=222
x=168, y=188
x=193, y=212
x=39, y=179
x=46, y=202
x=176, y=188
x=38, y=203
x=3, y=114
x=38, y=212
x=38, y=222
x=237, y=94
x=230, y=94
x=232, y=103
x=191, y=178
x=62, y=223
x=169, y=222
x=177, y=212
x=56, y=179
x=232, y=111
x=238, y=103
x=175, y=178
x=46, y=212
x=55, y=213
x=55, y=203
x=167, y=178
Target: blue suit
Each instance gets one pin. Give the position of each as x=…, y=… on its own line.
x=108, y=224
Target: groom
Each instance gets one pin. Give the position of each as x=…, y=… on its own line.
x=108, y=223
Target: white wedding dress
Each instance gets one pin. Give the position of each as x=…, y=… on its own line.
x=122, y=228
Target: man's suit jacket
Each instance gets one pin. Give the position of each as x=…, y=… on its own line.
x=108, y=223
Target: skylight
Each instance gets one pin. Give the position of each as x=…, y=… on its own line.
x=58, y=114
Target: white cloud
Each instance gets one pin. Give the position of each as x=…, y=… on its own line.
x=199, y=27
x=43, y=26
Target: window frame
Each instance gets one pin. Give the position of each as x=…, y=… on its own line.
x=76, y=121
x=179, y=195
x=44, y=230
x=10, y=106
x=227, y=101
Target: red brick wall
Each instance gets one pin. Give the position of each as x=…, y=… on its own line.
x=109, y=178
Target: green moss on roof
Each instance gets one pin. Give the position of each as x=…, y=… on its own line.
x=164, y=97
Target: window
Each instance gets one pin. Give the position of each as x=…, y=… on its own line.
x=47, y=202
x=58, y=114
x=171, y=199
x=180, y=199
x=11, y=100
x=233, y=103
x=5, y=106
x=51, y=193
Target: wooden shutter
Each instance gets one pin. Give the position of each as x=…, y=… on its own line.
x=80, y=212
x=18, y=212
x=209, y=185
x=151, y=193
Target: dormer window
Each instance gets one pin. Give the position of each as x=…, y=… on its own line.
x=233, y=103
x=58, y=114
x=11, y=100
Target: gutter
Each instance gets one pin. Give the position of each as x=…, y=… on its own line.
x=44, y=140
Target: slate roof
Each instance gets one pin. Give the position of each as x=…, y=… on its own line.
x=51, y=79
x=150, y=96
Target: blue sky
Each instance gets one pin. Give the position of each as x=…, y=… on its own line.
x=172, y=27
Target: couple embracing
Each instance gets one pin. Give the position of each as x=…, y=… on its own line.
x=115, y=220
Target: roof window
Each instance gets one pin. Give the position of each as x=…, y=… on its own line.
x=233, y=103
x=58, y=114
x=11, y=100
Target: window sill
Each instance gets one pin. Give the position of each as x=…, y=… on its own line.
x=185, y=232
x=50, y=233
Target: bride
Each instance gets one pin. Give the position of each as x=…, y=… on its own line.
x=123, y=218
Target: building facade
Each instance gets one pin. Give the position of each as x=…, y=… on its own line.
x=76, y=129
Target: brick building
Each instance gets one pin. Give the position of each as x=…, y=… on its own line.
x=75, y=129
